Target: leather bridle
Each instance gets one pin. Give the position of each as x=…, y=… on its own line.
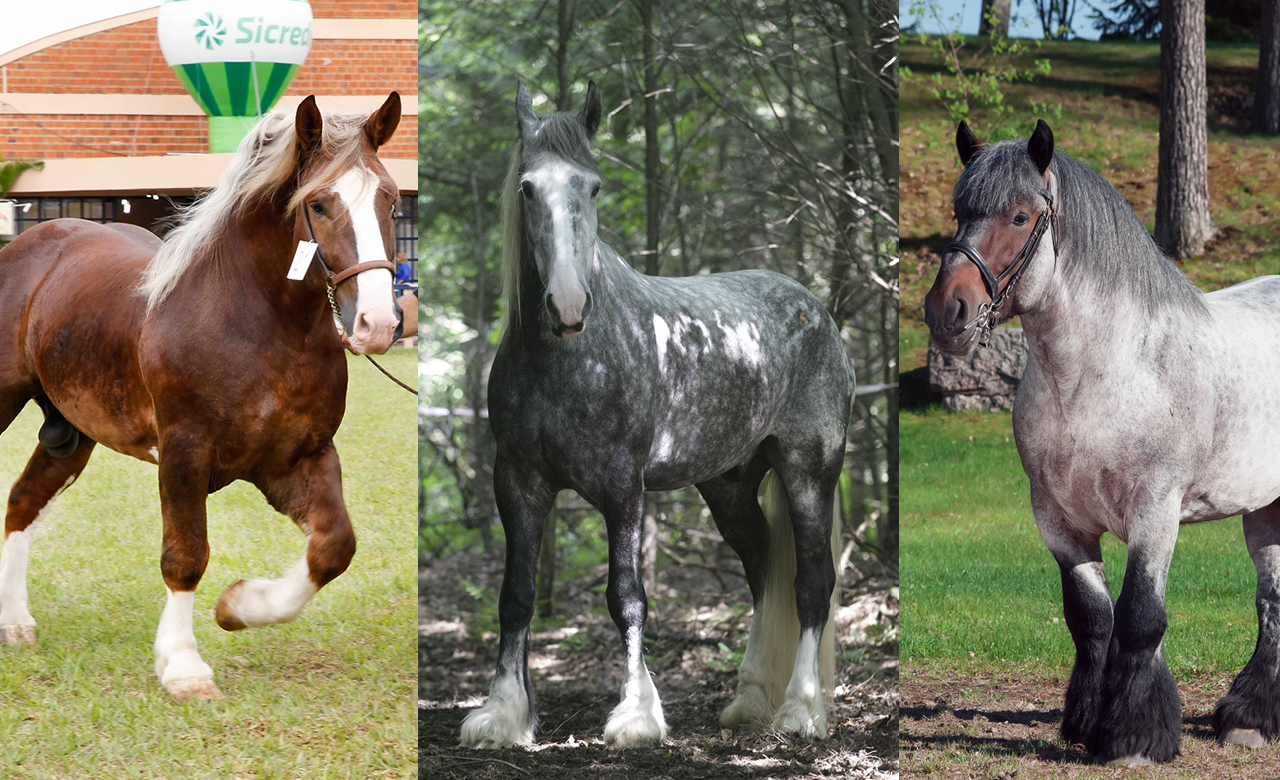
x=989, y=313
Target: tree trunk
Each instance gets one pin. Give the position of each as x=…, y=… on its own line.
x=652, y=204
x=1266, y=96
x=1001, y=11
x=649, y=550
x=1183, y=224
x=546, y=566
x=564, y=16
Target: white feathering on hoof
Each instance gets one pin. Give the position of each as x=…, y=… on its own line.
x=637, y=721
x=503, y=721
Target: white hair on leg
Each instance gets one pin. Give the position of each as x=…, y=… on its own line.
x=637, y=720
x=262, y=602
x=804, y=711
x=506, y=718
x=16, y=624
x=182, y=671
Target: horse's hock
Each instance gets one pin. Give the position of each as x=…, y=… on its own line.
x=986, y=379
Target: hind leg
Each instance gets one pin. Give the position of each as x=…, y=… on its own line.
x=40, y=483
x=810, y=483
x=1249, y=714
x=310, y=495
x=507, y=718
x=737, y=514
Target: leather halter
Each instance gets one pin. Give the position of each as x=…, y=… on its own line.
x=332, y=280
x=989, y=313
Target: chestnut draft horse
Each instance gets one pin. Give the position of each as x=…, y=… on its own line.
x=199, y=355
x=1145, y=404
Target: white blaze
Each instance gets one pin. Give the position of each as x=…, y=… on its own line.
x=375, y=320
x=563, y=286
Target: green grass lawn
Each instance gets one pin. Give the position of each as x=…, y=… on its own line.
x=330, y=695
x=979, y=586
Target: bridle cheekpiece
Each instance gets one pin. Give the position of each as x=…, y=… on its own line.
x=989, y=313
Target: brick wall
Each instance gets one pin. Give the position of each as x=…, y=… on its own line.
x=127, y=60
x=58, y=136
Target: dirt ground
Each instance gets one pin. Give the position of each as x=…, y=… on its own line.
x=576, y=667
x=1004, y=725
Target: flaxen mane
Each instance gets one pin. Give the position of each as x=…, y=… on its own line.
x=265, y=162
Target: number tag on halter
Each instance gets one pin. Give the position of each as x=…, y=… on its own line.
x=301, y=260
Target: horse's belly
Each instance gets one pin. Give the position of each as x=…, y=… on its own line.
x=82, y=340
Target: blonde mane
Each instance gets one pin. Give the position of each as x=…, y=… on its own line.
x=512, y=236
x=265, y=162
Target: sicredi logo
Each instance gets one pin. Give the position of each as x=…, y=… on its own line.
x=210, y=32
x=254, y=31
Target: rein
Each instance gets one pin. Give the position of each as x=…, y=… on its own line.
x=989, y=313
x=332, y=280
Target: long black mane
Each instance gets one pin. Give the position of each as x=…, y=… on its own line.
x=1095, y=232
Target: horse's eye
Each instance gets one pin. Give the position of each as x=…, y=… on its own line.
x=1021, y=220
x=526, y=189
x=595, y=190
x=317, y=208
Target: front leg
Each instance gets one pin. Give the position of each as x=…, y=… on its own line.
x=310, y=495
x=184, y=481
x=524, y=499
x=1087, y=607
x=637, y=721
x=1141, y=719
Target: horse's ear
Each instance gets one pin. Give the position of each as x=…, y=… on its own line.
x=308, y=124
x=526, y=120
x=967, y=144
x=591, y=110
x=381, y=124
x=1040, y=147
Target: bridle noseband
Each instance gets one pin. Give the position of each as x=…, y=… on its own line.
x=989, y=313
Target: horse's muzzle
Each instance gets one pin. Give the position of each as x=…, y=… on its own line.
x=559, y=327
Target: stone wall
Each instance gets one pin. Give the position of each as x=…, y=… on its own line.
x=987, y=379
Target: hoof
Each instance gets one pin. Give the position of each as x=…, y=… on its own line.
x=749, y=708
x=224, y=613
x=488, y=729
x=17, y=635
x=202, y=688
x=1135, y=760
x=636, y=730
x=793, y=717
x=1250, y=738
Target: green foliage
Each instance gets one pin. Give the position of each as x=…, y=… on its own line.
x=965, y=84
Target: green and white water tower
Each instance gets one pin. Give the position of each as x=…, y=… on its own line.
x=235, y=57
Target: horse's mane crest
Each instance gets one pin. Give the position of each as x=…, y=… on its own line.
x=1105, y=245
x=561, y=135
x=265, y=163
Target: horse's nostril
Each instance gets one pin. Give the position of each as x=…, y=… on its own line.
x=586, y=307
x=962, y=310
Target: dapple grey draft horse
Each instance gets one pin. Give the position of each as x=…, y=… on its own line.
x=1146, y=404
x=612, y=383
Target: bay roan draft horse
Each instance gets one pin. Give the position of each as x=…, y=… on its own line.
x=1145, y=404
x=199, y=355
x=612, y=383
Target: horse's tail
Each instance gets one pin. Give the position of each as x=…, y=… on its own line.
x=779, y=625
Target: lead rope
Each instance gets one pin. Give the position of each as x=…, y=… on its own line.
x=333, y=305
